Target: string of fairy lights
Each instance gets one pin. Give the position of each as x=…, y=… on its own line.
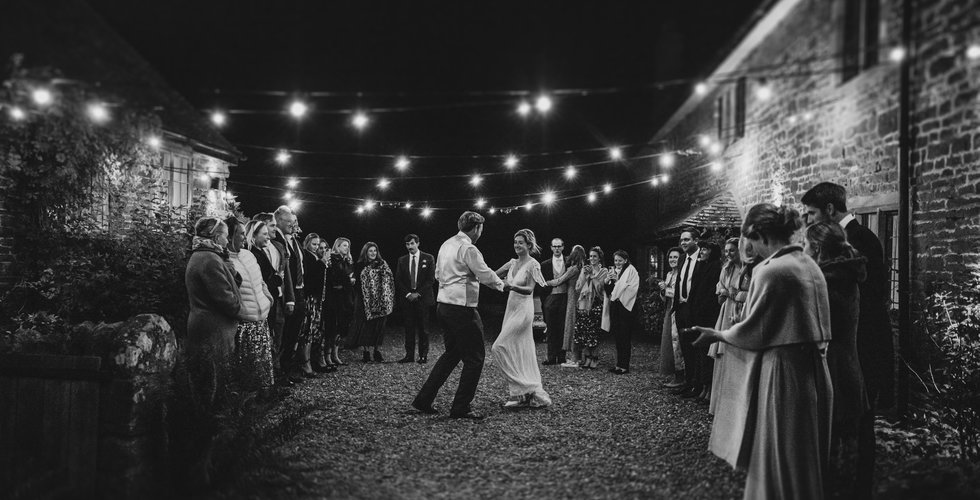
x=699, y=151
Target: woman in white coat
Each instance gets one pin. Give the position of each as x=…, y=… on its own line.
x=253, y=346
x=619, y=313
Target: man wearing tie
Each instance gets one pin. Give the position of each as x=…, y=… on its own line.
x=293, y=356
x=690, y=291
x=414, y=279
x=555, y=300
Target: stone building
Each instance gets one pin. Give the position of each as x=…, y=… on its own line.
x=69, y=36
x=812, y=91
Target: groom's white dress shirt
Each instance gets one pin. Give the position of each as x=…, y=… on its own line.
x=460, y=269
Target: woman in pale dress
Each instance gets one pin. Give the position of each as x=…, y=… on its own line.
x=730, y=313
x=576, y=260
x=778, y=425
x=671, y=360
x=514, y=352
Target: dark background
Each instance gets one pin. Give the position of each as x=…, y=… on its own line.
x=416, y=54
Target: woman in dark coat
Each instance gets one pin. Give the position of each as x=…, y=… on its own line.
x=844, y=270
x=209, y=346
x=338, y=299
x=314, y=273
x=374, y=300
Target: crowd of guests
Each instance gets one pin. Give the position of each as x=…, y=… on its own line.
x=782, y=334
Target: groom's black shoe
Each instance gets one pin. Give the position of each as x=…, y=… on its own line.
x=468, y=414
x=406, y=359
x=423, y=360
x=427, y=409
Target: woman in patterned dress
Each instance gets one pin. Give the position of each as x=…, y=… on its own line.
x=589, y=316
x=374, y=291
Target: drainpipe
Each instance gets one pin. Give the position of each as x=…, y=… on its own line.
x=904, y=212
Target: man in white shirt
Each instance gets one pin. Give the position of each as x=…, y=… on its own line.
x=555, y=300
x=460, y=269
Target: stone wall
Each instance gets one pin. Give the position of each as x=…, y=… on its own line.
x=817, y=127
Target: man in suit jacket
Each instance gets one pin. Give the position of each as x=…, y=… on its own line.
x=293, y=355
x=415, y=278
x=827, y=202
x=272, y=261
x=554, y=300
x=694, y=305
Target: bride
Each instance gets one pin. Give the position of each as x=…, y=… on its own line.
x=514, y=351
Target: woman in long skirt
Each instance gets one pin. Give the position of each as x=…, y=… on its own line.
x=589, y=315
x=576, y=260
x=253, y=343
x=671, y=360
x=726, y=289
x=374, y=292
x=780, y=427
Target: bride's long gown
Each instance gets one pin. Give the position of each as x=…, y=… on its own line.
x=514, y=352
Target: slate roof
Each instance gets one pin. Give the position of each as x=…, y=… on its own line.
x=720, y=211
x=71, y=37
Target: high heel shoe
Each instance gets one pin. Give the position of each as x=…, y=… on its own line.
x=594, y=363
x=367, y=357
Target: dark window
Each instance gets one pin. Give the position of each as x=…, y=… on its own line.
x=740, y=108
x=720, y=111
x=860, y=37
x=884, y=224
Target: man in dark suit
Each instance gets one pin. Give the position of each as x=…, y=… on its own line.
x=292, y=354
x=827, y=202
x=271, y=257
x=694, y=301
x=414, y=280
x=554, y=300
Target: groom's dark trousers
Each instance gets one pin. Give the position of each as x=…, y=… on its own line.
x=462, y=331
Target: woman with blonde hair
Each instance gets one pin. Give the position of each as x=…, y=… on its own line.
x=726, y=290
x=513, y=351
x=338, y=300
x=253, y=343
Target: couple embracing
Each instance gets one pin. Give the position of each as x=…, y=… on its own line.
x=460, y=269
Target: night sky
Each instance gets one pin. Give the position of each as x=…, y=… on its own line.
x=447, y=62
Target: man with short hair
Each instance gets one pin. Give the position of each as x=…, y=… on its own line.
x=694, y=301
x=827, y=202
x=414, y=278
x=555, y=300
x=293, y=356
x=460, y=270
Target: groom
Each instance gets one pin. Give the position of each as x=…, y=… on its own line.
x=460, y=270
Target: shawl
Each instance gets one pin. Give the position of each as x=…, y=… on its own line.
x=378, y=289
x=625, y=291
x=787, y=303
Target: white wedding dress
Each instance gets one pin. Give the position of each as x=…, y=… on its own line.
x=514, y=352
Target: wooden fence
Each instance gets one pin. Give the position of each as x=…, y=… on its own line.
x=49, y=414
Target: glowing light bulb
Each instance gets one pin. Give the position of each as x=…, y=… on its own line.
x=701, y=88
x=360, y=120
x=973, y=51
x=298, y=109
x=408, y=205
x=715, y=148
x=591, y=197
x=715, y=166
x=655, y=181
x=548, y=198
x=368, y=205
x=667, y=160
x=360, y=209
x=218, y=118
x=792, y=120
x=154, y=142
x=528, y=205
x=293, y=205
x=807, y=116
x=524, y=108
x=401, y=163
x=897, y=54
x=17, y=114
x=607, y=188
x=480, y=202
x=615, y=153
x=426, y=212
x=476, y=180
x=665, y=178
x=570, y=172
x=493, y=210
x=763, y=92
x=288, y=195
x=204, y=177
x=511, y=161
x=704, y=141
x=283, y=157
x=383, y=183
x=292, y=182
x=543, y=104
x=42, y=96
x=98, y=112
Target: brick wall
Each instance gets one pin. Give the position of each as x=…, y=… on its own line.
x=817, y=127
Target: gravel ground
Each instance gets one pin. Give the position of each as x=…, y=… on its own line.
x=606, y=436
